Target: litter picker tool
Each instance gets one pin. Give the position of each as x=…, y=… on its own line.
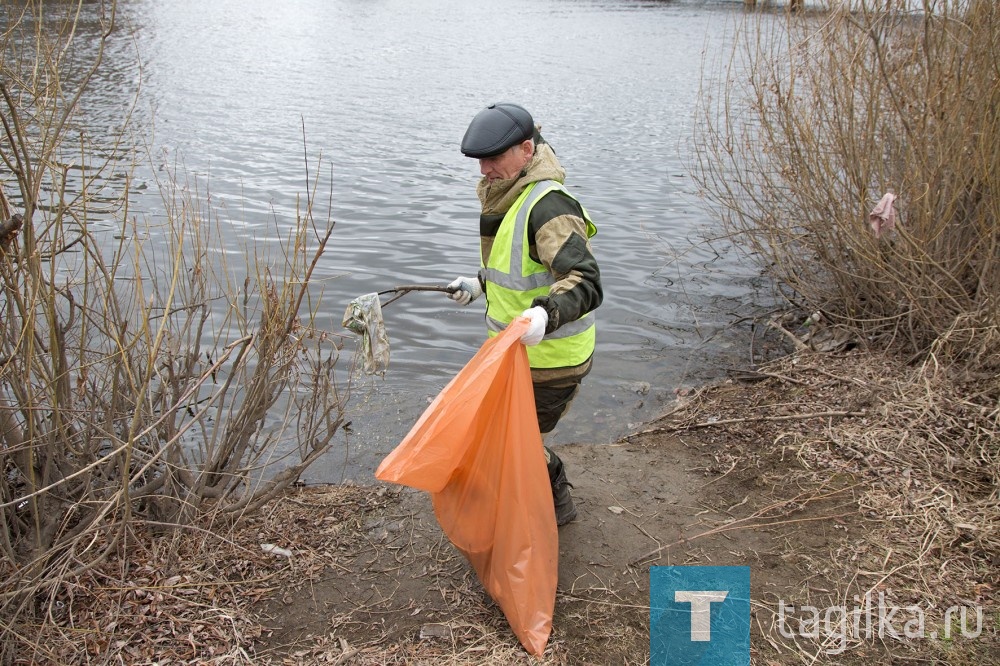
x=403, y=290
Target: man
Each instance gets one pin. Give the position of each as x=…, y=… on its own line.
x=537, y=263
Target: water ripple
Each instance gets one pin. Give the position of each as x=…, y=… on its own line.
x=248, y=98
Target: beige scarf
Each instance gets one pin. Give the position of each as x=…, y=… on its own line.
x=498, y=196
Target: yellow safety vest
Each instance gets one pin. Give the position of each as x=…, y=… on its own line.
x=513, y=279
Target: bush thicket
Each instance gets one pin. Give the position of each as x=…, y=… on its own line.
x=819, y=120
x=819, y=116
x=140, y=388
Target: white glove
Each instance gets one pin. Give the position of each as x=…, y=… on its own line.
x=536, y=330
x=467, y=289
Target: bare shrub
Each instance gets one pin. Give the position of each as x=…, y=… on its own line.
x=815, y=118
x=139, y=387
x=817, y=115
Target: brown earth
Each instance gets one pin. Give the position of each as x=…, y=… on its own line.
x=712, y=483
x=410, y=597
x=785, y=468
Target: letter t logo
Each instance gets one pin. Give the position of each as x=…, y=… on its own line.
x=701, y=610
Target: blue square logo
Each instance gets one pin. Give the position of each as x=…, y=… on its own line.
x=699, y=616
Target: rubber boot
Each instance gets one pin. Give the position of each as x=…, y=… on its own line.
x=561, y=497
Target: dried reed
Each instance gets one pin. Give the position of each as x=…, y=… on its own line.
x=138, y=385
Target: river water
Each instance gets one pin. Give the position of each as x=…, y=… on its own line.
x=383, y=91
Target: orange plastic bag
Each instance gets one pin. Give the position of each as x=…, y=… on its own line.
x=478, y=451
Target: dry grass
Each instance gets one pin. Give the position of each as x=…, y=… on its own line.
x=918, y=447
x=192, y=597
x=206, y=593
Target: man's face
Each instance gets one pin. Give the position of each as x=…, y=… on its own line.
x=507, y=164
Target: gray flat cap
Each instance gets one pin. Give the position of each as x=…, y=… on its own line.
x=496, y=128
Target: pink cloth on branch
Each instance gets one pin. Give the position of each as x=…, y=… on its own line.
x=883, y=215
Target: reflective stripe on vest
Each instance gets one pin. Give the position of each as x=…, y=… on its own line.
x=513, y=279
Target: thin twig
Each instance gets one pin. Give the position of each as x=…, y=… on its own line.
x=746, y=419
